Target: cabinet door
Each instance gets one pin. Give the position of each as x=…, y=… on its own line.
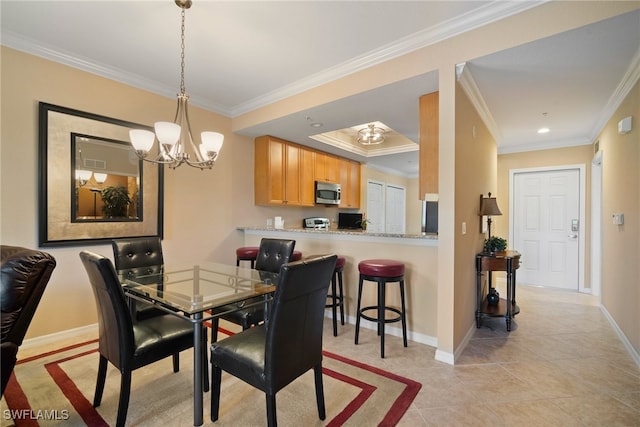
x=350, y=184
x=307, y=177
x=327, y=168
x=333, y=169
x=353, y=185
x=269, y=173
x=292, y=175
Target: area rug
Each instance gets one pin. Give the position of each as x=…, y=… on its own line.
x=57, y=387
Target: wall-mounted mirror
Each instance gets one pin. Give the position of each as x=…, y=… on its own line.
x=105, y=177
x=93, y=187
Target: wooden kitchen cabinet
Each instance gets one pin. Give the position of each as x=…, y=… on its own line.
x=429, y=140
x=327, y=168
x=285, y=174
x=307, y=177
x=349, y=183
x=277, y=172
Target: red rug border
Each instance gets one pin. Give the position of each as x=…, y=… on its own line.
x=17, y=400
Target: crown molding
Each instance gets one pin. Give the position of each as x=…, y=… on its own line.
x=487, y=14
x=29, y=46
x=468, y=84
x=623, y=89
x=484, y=15
x=537, y=146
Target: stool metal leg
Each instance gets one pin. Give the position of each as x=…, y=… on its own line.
x=334, y=304
x=341, y=298
x=358, y=309
x=381, y=314
x=404, y=314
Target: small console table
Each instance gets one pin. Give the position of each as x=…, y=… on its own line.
x=507, y=261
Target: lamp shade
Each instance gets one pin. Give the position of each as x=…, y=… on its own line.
x=212, y=141
x=489, y=207
x=167, y=133
x=142, y=140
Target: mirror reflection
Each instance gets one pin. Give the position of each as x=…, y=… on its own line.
x=106, y=177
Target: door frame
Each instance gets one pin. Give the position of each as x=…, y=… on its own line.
x=596, y=224
x=582, y=210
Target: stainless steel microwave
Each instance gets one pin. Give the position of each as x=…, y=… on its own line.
x=327, y=193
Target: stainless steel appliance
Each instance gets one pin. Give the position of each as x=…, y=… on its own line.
x=316, y=223
x=327, y=193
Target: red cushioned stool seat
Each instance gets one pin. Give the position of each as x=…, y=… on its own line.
x=247, y=253
x=381, y=271
x=297, y=256
x=336, y=294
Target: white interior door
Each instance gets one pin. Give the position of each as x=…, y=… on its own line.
x=395, y=208
x=547, y=227
x=375, y=206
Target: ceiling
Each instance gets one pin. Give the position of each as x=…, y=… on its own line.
x=242, y=55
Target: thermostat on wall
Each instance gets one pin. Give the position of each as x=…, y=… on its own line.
x=624, y=125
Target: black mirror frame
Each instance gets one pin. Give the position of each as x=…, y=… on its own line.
x=58, y=229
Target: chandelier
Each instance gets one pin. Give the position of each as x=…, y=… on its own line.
x=371, y=135
x=175, y=141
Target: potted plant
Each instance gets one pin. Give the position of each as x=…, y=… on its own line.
x=116, y=201
x=494, y=244
x=363, y=224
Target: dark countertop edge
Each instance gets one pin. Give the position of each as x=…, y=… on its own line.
x=429, y=236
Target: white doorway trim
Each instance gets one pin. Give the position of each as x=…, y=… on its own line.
x=583, y=185
x=596, y=224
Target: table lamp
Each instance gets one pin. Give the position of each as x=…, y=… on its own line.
x=488, y=208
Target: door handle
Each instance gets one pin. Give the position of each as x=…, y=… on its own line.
x=573, y=236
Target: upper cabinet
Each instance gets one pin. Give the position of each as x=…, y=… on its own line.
x=349, y=183
x=279, y=171
x=327, y=168
x=285, y=174
x=429, y=139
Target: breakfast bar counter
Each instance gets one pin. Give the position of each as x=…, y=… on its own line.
x=428, y=239
x=419, y=253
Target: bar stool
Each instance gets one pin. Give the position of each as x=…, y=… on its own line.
x=297, y=256
x=336, y=295
x=381, y=271
x=246, y=253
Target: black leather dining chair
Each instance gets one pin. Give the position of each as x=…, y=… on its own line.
x=270, y=356
x=272, y=254
x=126, y=344
x=24, y=275
x=139, y=255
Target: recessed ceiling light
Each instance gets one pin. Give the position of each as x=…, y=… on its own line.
x=316, y=125
x=543, y=130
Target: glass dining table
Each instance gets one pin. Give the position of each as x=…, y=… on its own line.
x=196, y=293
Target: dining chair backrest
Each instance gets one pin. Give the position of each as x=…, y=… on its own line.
x=115, y=327
x=138, y=254
x=273, y=253
x=294, y=330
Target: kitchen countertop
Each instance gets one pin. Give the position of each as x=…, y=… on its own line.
x=428, y=236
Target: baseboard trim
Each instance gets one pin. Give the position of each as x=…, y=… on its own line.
x=625, y=341
x=59, y=336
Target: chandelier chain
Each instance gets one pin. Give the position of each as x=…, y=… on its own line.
x=182, y=87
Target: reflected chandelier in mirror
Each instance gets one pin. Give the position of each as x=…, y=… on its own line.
x=105, y=180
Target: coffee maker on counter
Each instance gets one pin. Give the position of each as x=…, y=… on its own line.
x=316, y=223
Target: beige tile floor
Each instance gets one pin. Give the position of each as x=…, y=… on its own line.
x=561, y=365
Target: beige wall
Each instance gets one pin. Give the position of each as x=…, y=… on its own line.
x=194, y=222
x=476, y=175
x=621, y=243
